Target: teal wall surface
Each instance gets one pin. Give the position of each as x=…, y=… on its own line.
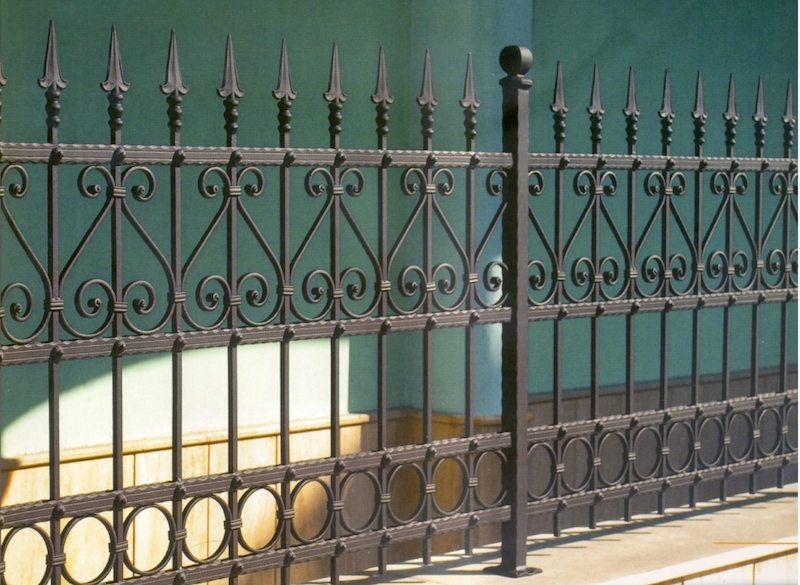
x=741, y=37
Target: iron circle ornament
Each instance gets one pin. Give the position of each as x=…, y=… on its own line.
x=657, y=452
x=464, y=484
x=224, y=543
x=501, y=492
x=744, y=447
x=791, y=417
x=715, y=422
x=548, y=450
x=623, y=444
x=766, y=433
x=376, y=509
x=420, y=504
x=112, y=545
x=47, y=543
x=278, y=527
x=572, y=444
x=328, y=516
x=672, y=431
x=170, y=545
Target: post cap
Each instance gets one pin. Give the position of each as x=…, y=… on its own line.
x=516, y=60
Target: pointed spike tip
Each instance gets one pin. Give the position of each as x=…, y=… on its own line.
x=666, y=110
x=559, y=105
x=3, y=78
x=427, y=97
x=114, y=76
x=469, y=99
x=631, y=109
x=230, y=75
x=788, y=114
x=596, y=105
x=335, y=83
x=730, y=112
x=173, y=80
x=382, y=94
x=699, y=111
x=760, y=115
x=284, y=89
x=52, y=69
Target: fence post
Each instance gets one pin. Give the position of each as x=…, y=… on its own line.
x=516, y=61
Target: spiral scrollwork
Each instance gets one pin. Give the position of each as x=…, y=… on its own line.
x=727, y=182
x=612, y=273
x=17, y=190
x=495, y=188
x=93, y=190
x=596, y=183
x=140, y=192
x=783, y=183
x=91, y=307
x=20, y=311
x=446, y=285
x=252, y=189
x=653, y=269
x=314, y=293
x=211, y=190
x=538, y=280
x=537, y=187
x=208, y=300
x=493, y=276
x=142, y=306
x=355, y=290
x=582, y=276
x=659, y=183
x=316, y=189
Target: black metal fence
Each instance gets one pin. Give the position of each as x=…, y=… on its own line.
x=697, y=249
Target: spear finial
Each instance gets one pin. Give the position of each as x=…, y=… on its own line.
x=3, y=78
x=51, y=77
x=427, y=100
x=596, y=111
x=230, y=75
x=731, y=116
x=470, y=104
x=631, y=112
x=173, y=79
x=667, y=115
x=114, y=76
x=284, y=94
x=699, y=114
x=559, y=108
x=382, y=98
x=788, y=122
x=760, y=118
x=336, y=97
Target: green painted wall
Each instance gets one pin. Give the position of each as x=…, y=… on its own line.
x=745, y=38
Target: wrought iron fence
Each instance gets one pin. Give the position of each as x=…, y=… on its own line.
x=591, y=266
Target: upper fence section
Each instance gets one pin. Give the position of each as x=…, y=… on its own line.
x=385, y=238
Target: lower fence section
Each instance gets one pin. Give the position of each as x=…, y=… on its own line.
x=365, y=504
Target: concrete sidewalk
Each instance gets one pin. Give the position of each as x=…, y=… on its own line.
x=683, y=546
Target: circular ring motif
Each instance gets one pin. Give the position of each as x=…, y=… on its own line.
x=686, y=441
x=225, y=510
x=111, y=540
x=604, y=458
x=791, y=422
x=420, y=504
x=280, y=508
x=170, y=542
x=532, y=467
x=573, y=461
x=328, y=516
x=47, y=543
x=464, y=485
x=767, y=433
x=376, y=509
x=741, y=438
x=706, y=441
x=501, y=492
x=656, y=451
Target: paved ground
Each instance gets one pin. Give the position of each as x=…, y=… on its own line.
x=744, y=527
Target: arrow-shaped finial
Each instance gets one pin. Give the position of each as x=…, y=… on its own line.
x=52, y=70
x=631, y=110
x=730, y=112
x=3, y=78
x=699, y=112
x=230, y=75
x=114, y=76
x=788, y=114
x=760, y=115
x=427, y=96
x=382, y=94
x=559, y=105
x=596, y=105
x=666, y=110
x=284, y=89
x=173, y=80
x=469, y=99
x=335, y=91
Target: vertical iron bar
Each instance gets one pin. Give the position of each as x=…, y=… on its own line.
x=516, y=61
